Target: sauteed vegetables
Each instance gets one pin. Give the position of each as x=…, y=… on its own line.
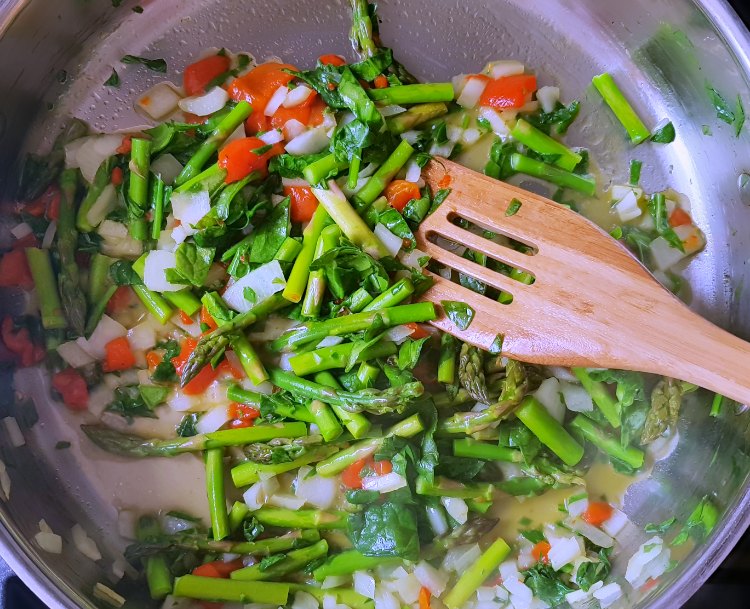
x=250, y=261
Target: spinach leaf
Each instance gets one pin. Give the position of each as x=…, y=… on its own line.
x=291, y=166
x=192, y=265
x=165, y=371
x=269, y=561
x=560, y=118
x=121, y=273
x=468, y=281
x=153, y=395
x=458, y=468
x=325, y=79
x=591, y=572
x=251, y=528
x=637, y=240
x=362, y=497
x=386, y=529
x=409, y=352
x=129, y=403
x=659, y=528
x=429, y=453
x=515, y=434
x=348, y=268
x=498, y=166
x=113, y=80
x=664, y=135
x=635, y=172
x=700, y=523
x=513, y=207
x=546, y=584
x=157, y=65
x=721, y=105
x=187, y=427
x=356, y=99
x=459, y=313
x=271, y=234
x=394, y=222
x=369, y=69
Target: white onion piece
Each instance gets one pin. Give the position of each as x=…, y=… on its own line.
x=470, y=136
x=276, y=100
x=192, y=328
x=442, y=149
x=616, y=522
x=84, y=544
x=309, y=142
x=74, y=355
x=432, y=579
x=548, y=97
x=608, y=594
x=109, y=596
x=317, y=491
x=49, y=542
x=159, y=101
x=49, y=235
x=364, y=584
x=330, y=341
x=407, y=587
x=154, y=271
x=577, y=505
x=454, y=133
x=663, y=254
x=289, y=502
x=456, y=508
x=167, y=167
x=294, y=182
x=521, y=595
x=471, y=92
x=620, y=191
x=564, y=550
x=213, y=420
x=413, y=172
x=297, y=96
x=104, y=204
x=576, y=397
x=385, y=600
x=71, y=152
x=461, y=558
x=106, y=330
x=590, y=532
x=126, y=524
x=19, y=231
x=304, y=600
x=413, y=258
x=209, y=102
x=410, y=136
x=14, y=432
x=392, y=243
x=398, y=334
x=142, y=336
x=190, y=207
x=385, y=483
x=94, y=151
x=438, y=521
x=274, y=136
x=647, y=552
x=627, y=208
x=497, y=124
x=116, y=240
x=548, y=394
x=507, y=67
x=265, y=281
x=391, y=110
x=293, y=128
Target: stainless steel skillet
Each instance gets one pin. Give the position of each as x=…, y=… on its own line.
x=565, y=41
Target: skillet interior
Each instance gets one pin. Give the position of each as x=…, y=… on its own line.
x=564, y=42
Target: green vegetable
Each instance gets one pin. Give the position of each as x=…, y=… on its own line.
x=217, y=502
x=292, y=562
x=158, y=576
x=666, y=400
x=192, y=264
x=474, y=576
x=545, y=145
x=229, y=590
x=664, y=135
x=138, y=201
x=386, y=530
x=459, y=313
x=40, y=264
x=157, y=65
x=546, y=584
x=68, y=281
x=610, y=92
x=550, y=173
x=631, y=457
x=549, y=431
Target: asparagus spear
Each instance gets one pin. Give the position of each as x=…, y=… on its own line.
x=217, y=499
x=140, y=155
x=102, y=178
x=154, y=302
x=372, y=400
x=549, y=431
x=289, y=250
x=161, y=544
x=157, y=205
x=212, y=344
x=300, y=519
x=351, y=224
x=415, y=116
x=338, y=356
x=217, y=137
x=444, y=487
x=629, y=455
x=356, y=423
x=550, y=173
x=183, y=299
x=348, y=562
x=343, y=595
x=471, y=372
x=414, y=94
x=68, y=279
x=210, y=179
x=600, y=395
x=158, y=577
x=294, y=561
x=337, y=463
x=316, y=282
x=320, y=170
x=385, y=173
x=326, y=420
x=472, y=449
x=542, y=143
x=608, y=89
x=474, y=576
x=396, y=294
x=315, y=331
x=295, y=285
x=40, y=265
x=100, y=289
x=446, y=372
x=235, y=393
x=250, y=472
x=231, y=591
x=128, y=445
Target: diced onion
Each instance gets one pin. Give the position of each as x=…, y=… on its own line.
x=276, y=100
x=564, y=550
x=392, y=243
x=142, y=336
x=265, y=281
x=663, y=254
x=104, y=204
x=413, y=172
x=74, y=355
x=213, y=420
x=548, y=97
x=470, y=136
x=398, y=334
x=154, y=271
x=391, y=110
x=461, y=558
x=646, y=553
x=364, y=584
x=471, y=92
x=590, y=532
x=190, y=207
x=297, y=96
x=456, y=508
x=49, y=542
x=126, y=524
x=309, y=142
x=209, y=102
x=71, y=152
x=14, y=432
x=274, y=136
x=84, y=544
x=497, y=124
x=576, y=397
x=106, y=330
x=385, y=483
x=408, y=588
x=616, y=523
x=109, y=596
x=577, y=505
x=413, y=258
x=437, y=519
x=19, y=231
x=608, y=594
x=410, y=136
x=159, y=101
x=506, y=67
x=454, y=133
x=548, y=394
x=293, y=128
x=49, y=235
x=93, y=151
x=289, y=502
x=521, y=595
x=305, y=600
x=620, y=191
x=317, y=491
x=576, y=597
x=627, y=208
x=432, y=579
x=116, y=240
x=167, y=167
x=192, y=328
x=385, y=600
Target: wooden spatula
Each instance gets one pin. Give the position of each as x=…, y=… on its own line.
x=591, y=302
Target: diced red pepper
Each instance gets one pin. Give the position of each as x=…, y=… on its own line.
x=508, y=91
x=118, y=355
x=243, y=156
x=72, y=387
x=540, y=550
x=198, y=75
x=120, y=299
x=14, y=270
x=400, y=192
x=332, y=60
x=303, y=203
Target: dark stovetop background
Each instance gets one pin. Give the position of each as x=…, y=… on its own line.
x=728, y=588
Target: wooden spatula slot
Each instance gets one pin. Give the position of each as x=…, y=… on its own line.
x=592, y=304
